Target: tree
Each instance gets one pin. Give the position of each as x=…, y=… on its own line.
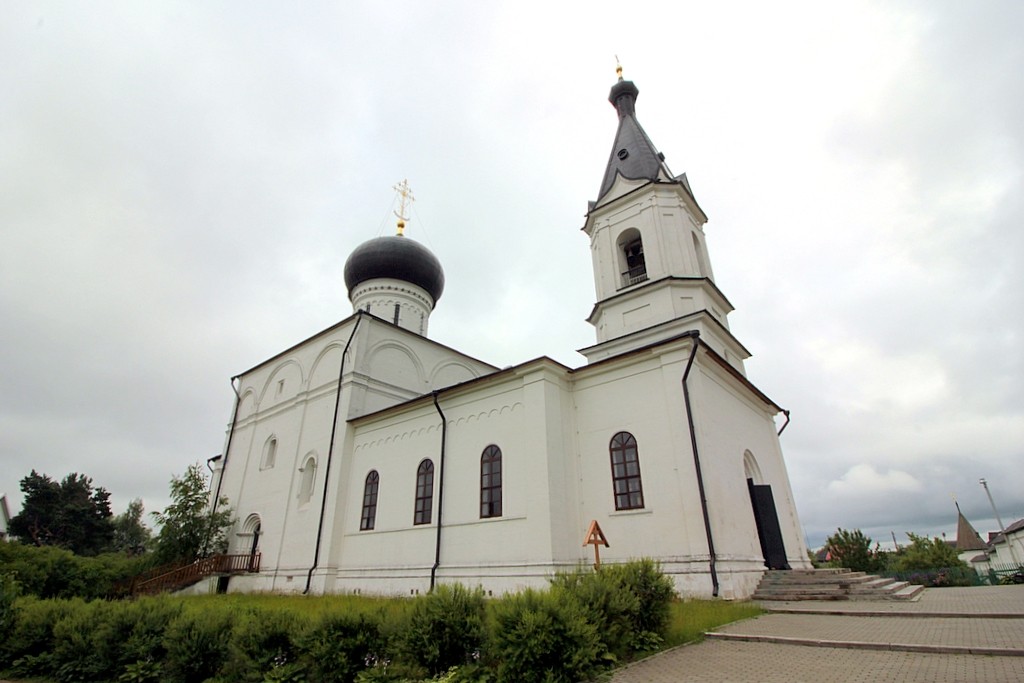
x=925, y=553
x=70, y=514
x=131, y=536
x=189, y=528
x=852, y=549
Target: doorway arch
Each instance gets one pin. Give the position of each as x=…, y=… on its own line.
x=253, y=527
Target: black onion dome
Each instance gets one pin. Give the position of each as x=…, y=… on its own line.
x=399, y=258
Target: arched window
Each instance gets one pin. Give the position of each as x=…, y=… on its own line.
x=269, y=453
x=369, y=517
x=307, y=481
x=490, y=482
x=629, y=492
x=424, y=493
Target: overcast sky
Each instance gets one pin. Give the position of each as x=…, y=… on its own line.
x=181, y=184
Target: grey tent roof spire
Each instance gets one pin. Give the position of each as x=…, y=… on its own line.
x=967, y=538
x=633, y=155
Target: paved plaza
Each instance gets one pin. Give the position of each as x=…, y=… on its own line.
x=949, y=634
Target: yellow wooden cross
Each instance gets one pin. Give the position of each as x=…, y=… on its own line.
x=595, y=537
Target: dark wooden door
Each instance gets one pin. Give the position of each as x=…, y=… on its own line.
x=768, y=530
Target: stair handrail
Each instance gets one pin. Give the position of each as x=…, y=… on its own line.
x=184, y=575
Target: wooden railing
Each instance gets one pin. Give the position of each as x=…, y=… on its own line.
x=174, y=578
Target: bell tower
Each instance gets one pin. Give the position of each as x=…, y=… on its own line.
x=652, y=273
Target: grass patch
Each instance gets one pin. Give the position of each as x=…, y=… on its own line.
x=689, y=619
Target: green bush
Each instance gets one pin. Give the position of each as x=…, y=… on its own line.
x=127, y=638
x=544, y=637
x=144, y=649
x=852, y=550
x=628, y=603
x=446, y=627
x=944, y=577
x=604, y=603
x=26, y=650
x=9, y=592
x=339, y=646
x=50, y=572
x=73, y=657
x=197, y=644
x=264, y=646
x=655, y=591
x=585, y=622
x=925, y=553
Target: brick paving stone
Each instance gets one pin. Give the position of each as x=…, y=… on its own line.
x=950, y=632
x=1004, y=600
x=736, y=662
x=987, y=617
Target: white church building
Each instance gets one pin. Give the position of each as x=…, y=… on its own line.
x=372, y=459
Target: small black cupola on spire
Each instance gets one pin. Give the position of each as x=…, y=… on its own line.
x=623, y=97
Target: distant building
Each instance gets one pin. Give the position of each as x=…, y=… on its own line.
x=1006, y=548
x=5, y=517
x=370, y=458
x=994, y=557
x=969, y=544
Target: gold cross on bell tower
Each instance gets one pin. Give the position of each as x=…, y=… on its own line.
x=405, y=199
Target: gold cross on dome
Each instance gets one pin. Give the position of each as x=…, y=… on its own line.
x=405, y=199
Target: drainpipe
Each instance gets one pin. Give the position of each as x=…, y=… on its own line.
x=330, y=455
x=695, y=335
x=210, y=467
x=440, y=493
x=784, y=424
x=223, y=466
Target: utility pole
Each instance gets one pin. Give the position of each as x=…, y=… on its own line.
x=1002, y=529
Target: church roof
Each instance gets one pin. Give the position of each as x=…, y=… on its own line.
x=512, y=370
x=967, y=537
x=398, y=258
x=633, y=154
x=1000, y=536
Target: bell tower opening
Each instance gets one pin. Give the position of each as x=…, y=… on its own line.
x=631, y=258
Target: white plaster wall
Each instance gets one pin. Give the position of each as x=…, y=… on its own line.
x=660, y=310
x=391, y=366
x=504, y=553
x=292, y=398
x=730, y=421
x=632, y=396
x=644, y=397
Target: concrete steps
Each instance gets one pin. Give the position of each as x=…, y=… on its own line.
x=831, y=584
